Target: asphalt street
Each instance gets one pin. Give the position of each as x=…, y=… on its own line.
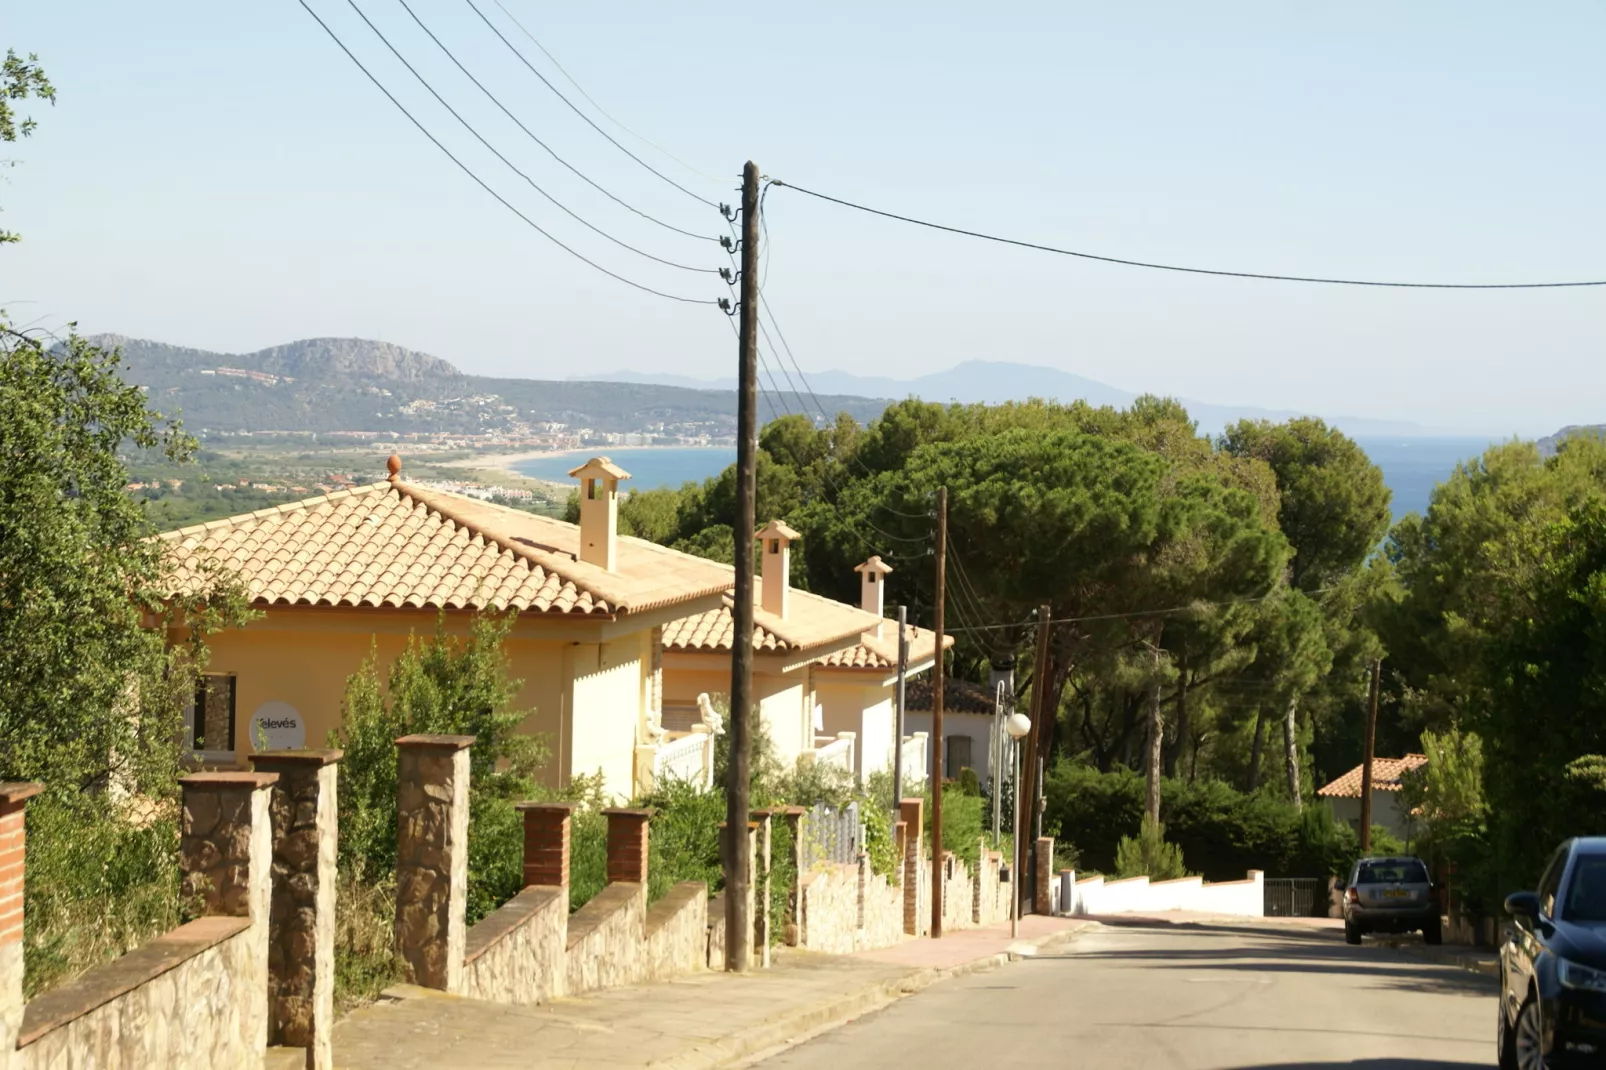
x=1202, y=998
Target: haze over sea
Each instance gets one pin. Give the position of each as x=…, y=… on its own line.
x=1412, y=467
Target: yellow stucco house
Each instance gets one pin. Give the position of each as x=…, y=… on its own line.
x=824, y=673
x=345, y=573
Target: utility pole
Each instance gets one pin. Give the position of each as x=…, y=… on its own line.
x=738, y=854
x=936, y=718
x=1366, y=762
x=1025, y=785
x=897, y=731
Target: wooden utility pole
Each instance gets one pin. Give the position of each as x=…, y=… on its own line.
x=1366, y=760
x=738, y=848
x=1026, y=784
x=939, y=670
x=897, y=732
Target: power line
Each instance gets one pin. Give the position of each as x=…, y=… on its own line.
x=510, y=164
x=531, y=135
x=481, y=182
x=600, y=109
x=1190, y=270
x=514, y=49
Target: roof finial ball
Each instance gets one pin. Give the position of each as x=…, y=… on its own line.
x=394, y=464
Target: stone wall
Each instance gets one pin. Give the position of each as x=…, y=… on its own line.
x=882, y=913
x=605, y=941
x=517, y=953
x=677, y=933
x=847, y=908
x=991, y=904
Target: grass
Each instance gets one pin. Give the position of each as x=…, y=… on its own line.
x=365, y=941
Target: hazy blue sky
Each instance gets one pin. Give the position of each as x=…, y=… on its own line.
x=220, y=175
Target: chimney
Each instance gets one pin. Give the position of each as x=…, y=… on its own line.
x=599, y=510
x=872, y=588
x=776, y=570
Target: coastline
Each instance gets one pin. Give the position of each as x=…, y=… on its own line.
x=506, y=462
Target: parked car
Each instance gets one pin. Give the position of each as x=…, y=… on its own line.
x=1553, y=965
x=1391, y=895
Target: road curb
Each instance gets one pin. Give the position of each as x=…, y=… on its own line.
x=789, y=1029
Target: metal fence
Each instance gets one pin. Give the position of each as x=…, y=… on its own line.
x=1295, y=897
x=832, y=834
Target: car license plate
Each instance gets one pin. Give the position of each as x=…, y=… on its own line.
x=1396, y=893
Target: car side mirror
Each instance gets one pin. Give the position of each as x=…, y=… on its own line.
x=1523, y=905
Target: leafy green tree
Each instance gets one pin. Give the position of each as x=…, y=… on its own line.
x=20, y=79
x=1149, y=855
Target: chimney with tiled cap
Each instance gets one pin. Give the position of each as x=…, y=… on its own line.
x=872, y=588
x=776, y=570
x=599, y=510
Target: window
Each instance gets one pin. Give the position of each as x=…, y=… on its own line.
x=1586, y=890
x=956, y=755
x=1550, y=882
x=775, y=546
x=1406, y=871
x=212, y=714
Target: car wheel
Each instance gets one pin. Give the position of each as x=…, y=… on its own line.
x=1352, y=933
x=1528, y=1038
x=1433, y=932
x=1505, y=1038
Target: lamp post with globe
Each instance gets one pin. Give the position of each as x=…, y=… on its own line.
x=1017, y=725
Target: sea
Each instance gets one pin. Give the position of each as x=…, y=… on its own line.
x=1412, y=467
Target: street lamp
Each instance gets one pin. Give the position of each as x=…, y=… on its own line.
x=1018, y=725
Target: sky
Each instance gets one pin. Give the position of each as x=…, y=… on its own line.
x=222, y=176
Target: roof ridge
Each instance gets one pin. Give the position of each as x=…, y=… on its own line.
x=243, y=520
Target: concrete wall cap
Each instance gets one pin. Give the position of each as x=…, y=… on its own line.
x=13, y=792
x=220, y=781
x=566, y=807
x=444, y=742
x=297, y=757
x=625, y=811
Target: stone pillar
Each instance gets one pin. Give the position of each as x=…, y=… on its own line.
x=546, y=842
x=14, y=798
x=301, y=930
x=912, y=811
x=763, y=863
x=432, y=859
x=1043, y=872
x=226, y=858
x=629, y=832
x=793, y=816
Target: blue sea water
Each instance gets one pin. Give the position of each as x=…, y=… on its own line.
x=1412, y=467
x=649, y=468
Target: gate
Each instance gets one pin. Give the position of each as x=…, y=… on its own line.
x=1295, y=897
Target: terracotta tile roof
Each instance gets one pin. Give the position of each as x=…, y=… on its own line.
x=391, y=544
x=1386, y=773
x=880, y=654
x=958, y=696
x=812, y=621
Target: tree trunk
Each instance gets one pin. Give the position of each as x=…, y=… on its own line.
x=1257, y=749
x=1156, y=741
x=1291, y=749
x=1173, y=753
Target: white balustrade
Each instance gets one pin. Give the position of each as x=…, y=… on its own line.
x=689, y=758
x=915, y=758
x=837, y=752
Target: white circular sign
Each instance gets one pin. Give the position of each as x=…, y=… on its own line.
x=277, y=726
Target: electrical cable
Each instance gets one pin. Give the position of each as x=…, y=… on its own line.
x=531, y=134
x=600, y=109
x=510, y=164
x=1191, y=270
x=514, y=49
x=482, y=183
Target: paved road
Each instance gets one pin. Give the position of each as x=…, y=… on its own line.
x=1205, y=998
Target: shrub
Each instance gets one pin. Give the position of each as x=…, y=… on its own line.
x=1149, y=855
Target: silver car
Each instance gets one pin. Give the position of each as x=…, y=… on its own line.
x=1391, y=895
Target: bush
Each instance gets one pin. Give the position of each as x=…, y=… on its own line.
x=1149, y=855
x=962, y=823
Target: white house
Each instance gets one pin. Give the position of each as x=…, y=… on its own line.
x=1344, y=794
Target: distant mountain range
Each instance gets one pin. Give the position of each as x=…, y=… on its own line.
x=354, y=384
x=994, y=382
x=1549, y=444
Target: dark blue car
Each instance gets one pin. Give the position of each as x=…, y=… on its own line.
x=1553, y=965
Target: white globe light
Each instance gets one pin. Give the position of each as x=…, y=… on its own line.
x=1018, y=725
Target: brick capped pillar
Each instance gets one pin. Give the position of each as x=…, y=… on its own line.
x=226, y=858
x=628, y=834
x=14, y=798
x=301, y=932
x=546, y=842
x=432, y=859
x=1043, y=872
x=912, y=814
x=763, y=863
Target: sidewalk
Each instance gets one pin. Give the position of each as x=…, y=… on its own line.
x=700, y=1022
